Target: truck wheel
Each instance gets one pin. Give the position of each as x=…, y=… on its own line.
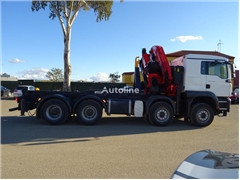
x=160, y=114
x=201, y=115
x=54, y=111
x=146, y=119
x=89, y=112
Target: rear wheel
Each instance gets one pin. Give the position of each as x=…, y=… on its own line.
x=89, y=112
x=160, y=114
x=54, y=111
x=201, y=115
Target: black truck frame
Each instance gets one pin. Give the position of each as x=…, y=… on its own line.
x=87, y=107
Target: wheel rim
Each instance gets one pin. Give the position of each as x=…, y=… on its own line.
x=89, y=113
x=162, y=115
x=203, y=115
x=54, y=112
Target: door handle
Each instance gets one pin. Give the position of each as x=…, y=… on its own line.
x=207, y=86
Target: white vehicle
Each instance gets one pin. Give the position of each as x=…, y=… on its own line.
x=5, y=91
x=18, y=90
x=209, y=164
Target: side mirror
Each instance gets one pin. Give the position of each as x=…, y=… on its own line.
x=233, y=71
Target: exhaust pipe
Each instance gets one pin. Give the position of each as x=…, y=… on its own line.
x=13, y=109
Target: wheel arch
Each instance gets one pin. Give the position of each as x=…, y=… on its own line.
x=153, y=99
x=55, y=96
x=195, y=97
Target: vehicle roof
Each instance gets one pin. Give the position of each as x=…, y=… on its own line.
x=25, y=86
x=204, y=56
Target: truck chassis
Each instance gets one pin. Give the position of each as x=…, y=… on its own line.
x=87, y=107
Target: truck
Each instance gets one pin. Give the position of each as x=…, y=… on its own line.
x=195, y=87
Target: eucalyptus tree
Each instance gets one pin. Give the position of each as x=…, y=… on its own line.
x=66, y=12
x=55, y=75
x=114, y=77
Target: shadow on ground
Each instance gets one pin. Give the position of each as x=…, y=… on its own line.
x=20, y=129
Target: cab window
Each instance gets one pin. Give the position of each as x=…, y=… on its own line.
x=215, y=69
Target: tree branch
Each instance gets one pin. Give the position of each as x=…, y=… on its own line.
x=76, y=11
x=65, y=9
x=71, y=8
x=59, y=17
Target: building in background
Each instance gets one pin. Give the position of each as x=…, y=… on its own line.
x=174, y=55
x=128, y=78
x=7, y=77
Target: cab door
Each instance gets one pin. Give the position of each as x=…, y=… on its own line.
x=218, y=79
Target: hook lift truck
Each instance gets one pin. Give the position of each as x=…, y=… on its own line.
x=195, y=87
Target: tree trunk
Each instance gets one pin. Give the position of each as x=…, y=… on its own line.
x=66, y=56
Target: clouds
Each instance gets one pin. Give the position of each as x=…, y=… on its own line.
x=38, y=73
x=101, y=76
x=16, y=61
x=34, y=73
x=186, y=38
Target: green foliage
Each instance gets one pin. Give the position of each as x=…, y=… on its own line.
x=5, y=75
x=114, y=77
x=65, y=9
x=55, y=75
x=102, y=9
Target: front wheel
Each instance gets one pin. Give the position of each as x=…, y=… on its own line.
x=201, y=115
x=89, y=112
x=160, y=114
x=54, y=111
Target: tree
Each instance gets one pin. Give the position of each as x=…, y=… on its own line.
x=66, y=12
x=114, y=77
x=55, y=75
x=5, y=75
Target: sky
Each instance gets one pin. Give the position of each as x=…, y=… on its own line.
x=32, y=44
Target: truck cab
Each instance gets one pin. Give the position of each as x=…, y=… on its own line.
x=207, y=73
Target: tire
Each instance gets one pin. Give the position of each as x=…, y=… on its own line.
x=54, y=111
x=1, y=93
x=160, y=114
x=146, y=119
x=201, y=115
x=89, y=112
